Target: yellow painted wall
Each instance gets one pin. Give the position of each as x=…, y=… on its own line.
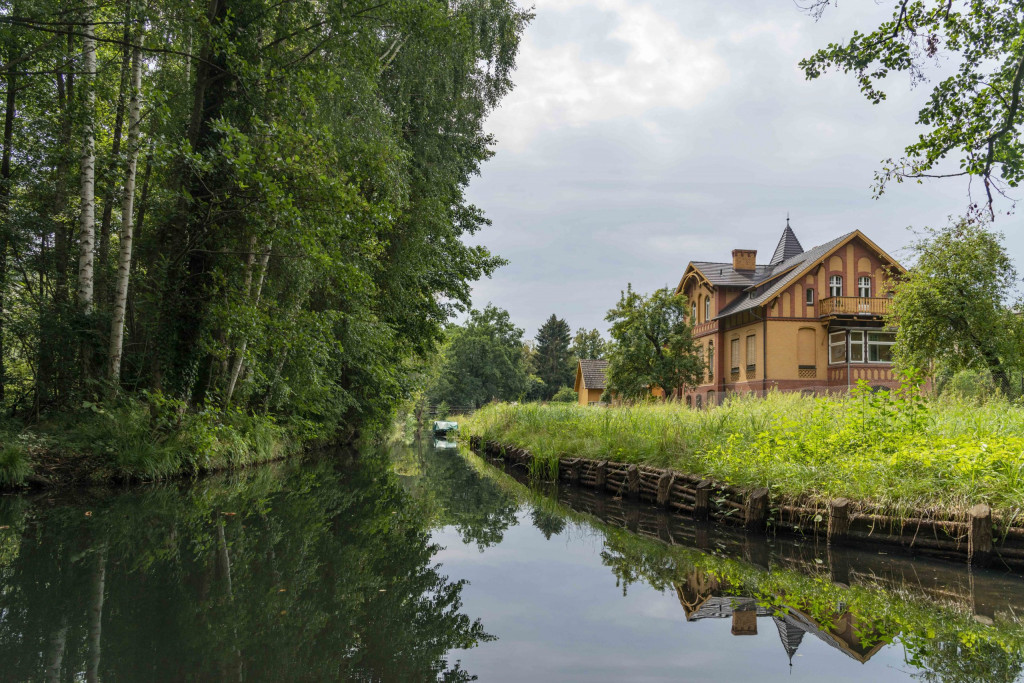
x=783, y=349
x=742, y=333
x=588, y=395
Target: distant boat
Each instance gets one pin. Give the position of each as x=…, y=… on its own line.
x=442, y=428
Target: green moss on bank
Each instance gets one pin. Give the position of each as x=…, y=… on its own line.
x=141, y=439
x=897, y=451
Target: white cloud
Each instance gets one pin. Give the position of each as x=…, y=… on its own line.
x=642, y=61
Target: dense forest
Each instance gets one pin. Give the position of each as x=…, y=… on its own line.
x=246, y=204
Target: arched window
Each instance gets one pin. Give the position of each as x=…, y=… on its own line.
x=835, y=285
x=707, y=309
x=693, y=312
x=689, y=402
x=711, y=362
x=864, y=287
x=698, y=401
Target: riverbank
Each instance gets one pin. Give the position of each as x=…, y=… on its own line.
x=889, y=453
x=140, y=440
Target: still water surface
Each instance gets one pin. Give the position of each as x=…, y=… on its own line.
x=424, y=564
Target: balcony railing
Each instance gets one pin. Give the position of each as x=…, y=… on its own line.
x=855, y=306
x=705, y=327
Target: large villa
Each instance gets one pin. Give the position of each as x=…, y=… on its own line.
x=808, y=320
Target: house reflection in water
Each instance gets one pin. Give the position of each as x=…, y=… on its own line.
x=705, y=597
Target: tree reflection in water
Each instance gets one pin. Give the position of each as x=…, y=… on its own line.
x=310, y=572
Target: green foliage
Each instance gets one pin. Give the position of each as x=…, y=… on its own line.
x=974, y=112
x=953, y=309
x=892, y=450
x=301, y=209
x=652, y=345
x=565, y=395
x=14, y=463
x=553, y=363
x=482, y=361
x=588, y=344
x=968, y=385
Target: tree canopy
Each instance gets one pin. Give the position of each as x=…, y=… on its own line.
x=956, y=307
x=588, y=344
x=652, y=345
x=974, y=112
x=481, y=361
x=554, y=364
x=295, y=235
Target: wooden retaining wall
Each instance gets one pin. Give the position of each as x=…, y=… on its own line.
x=972, y=538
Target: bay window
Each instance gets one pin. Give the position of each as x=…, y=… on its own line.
x=880, y=347
x=837, y=347
x=856, y=346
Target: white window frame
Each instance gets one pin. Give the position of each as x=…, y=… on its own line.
x=856, y=351
x=864, y=287
x=835, y=285
x=837, y=351
x=810, y=296
x=693, y=311
x=875, y=345
x=707, y=308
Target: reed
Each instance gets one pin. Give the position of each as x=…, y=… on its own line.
x=895, y=452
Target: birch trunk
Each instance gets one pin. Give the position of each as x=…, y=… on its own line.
x=87, y=217
x=5, y=199
x=99, y=580
x=239, y=357
x=124, y=263
x=109, y=179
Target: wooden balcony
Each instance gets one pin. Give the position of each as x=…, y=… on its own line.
x=700, y=329
x=855, y=307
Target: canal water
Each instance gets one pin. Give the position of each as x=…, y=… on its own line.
x=432, y=564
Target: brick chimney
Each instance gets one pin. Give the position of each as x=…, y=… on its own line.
x=744, y=259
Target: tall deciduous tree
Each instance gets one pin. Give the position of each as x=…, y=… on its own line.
x=588, y=344
x=553, y=362
x=652, y=345
x=956, y=306
x=975, y=113
x=482, y=361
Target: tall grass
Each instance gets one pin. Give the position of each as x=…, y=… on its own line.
x=896, y=451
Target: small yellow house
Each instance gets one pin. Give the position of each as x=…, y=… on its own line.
x=590, y=380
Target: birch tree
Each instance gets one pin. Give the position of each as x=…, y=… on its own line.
x=87, y=215
x=124, y=263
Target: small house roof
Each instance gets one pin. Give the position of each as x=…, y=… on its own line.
x=592, y=370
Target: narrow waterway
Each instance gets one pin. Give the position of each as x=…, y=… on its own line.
x=432, y=564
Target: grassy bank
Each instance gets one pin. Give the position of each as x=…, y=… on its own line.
x=140, y=440
x=895, y=451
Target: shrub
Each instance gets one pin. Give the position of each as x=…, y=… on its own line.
x=14, y=465
x=565, y=395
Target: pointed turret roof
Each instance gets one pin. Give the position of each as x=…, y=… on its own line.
x=790, y=634
x=789, y=246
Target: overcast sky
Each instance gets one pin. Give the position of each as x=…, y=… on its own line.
x=643, y=134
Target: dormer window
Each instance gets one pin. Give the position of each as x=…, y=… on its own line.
x=864, y=287
x=835, y=285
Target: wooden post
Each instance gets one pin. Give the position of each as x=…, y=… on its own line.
x=601, y=476
x=838, y=521
x=574, y=472
x=702, y=500
x=979, y=535
x=633, y=482
x=664, y=487
x=757, y=509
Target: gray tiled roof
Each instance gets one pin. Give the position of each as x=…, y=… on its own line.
x=723, y=274
x=788, y=247
x=789, y=270
x=593, y=372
